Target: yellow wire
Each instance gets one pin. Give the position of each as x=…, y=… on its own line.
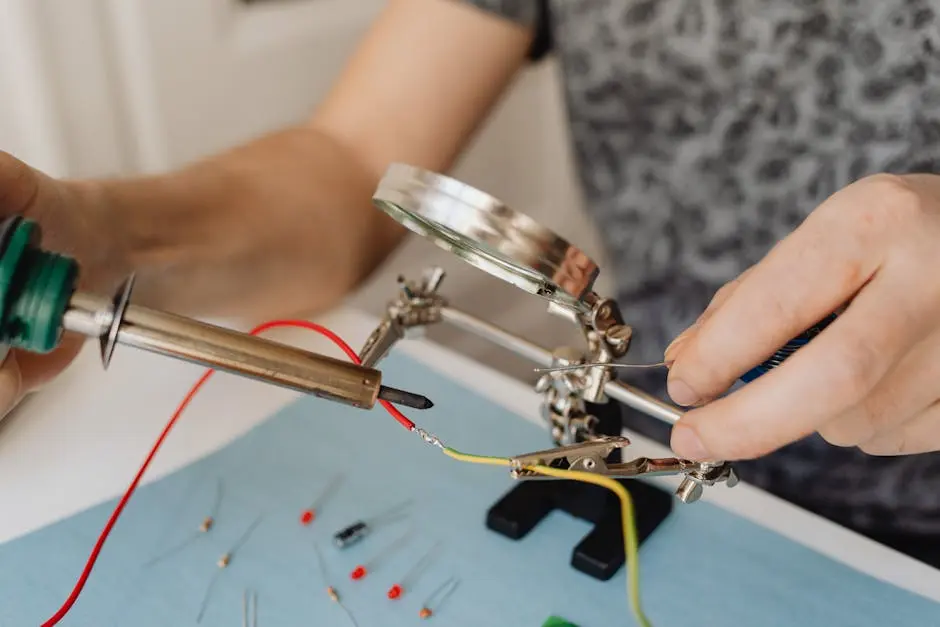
x=476, y=459
x=630, y=543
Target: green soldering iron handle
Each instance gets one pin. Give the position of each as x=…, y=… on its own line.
x=35, y=288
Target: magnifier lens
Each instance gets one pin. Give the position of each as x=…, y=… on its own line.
x=487, y=234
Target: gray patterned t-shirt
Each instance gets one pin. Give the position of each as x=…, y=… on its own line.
x=705, y=132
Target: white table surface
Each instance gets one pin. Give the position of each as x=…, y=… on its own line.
x=80, y=441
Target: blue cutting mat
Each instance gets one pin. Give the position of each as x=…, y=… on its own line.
x=704, y=566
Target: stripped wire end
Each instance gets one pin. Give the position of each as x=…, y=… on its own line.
x=429, y=438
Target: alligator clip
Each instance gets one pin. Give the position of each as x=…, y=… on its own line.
x=591, y=456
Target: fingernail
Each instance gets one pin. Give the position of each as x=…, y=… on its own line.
x=685, y=443
x=669, y=355
x=681, y=393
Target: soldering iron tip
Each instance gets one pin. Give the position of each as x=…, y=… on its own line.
x=401, y=397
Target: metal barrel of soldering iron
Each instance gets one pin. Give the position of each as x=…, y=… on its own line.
x=783, y=353
x=38, y=302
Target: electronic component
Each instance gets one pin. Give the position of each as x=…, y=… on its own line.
x=309, y=515
x=204, y=527
x=361, y=571
x=405, y=583
x=40, y=302
x=355, y=532
x=330, y=590
x=223, y=563
x=249, y=608
x=436, y=599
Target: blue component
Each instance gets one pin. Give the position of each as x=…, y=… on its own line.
x=788, y=349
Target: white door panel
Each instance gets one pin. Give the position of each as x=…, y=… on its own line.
x=200, y=76
x=28, y=120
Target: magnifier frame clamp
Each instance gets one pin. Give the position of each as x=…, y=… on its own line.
x=513, y=247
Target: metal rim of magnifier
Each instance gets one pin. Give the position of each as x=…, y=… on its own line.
x=484, y=232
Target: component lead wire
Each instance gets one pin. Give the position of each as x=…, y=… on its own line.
x=659, y=364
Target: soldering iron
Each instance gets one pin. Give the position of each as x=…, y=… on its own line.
x=39, y=302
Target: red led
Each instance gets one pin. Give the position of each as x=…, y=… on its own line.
x=358, y=573
x=307, y=517
x=395, y=592
x=424, y=613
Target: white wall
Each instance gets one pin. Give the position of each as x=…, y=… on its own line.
x=99, y=87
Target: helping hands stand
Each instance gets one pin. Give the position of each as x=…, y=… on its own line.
x=511, y=246
x=578, y=383
x=584, y=426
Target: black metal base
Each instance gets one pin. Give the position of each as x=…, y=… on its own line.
x=600, y=553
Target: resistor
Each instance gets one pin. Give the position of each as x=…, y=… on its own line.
x=207, y=524
x=438, y=597
x=223, y=563
x=330, y=590
x=209, y=521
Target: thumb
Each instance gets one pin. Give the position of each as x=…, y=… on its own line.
x=36, y=369
x=23, y=372
x=11, y=384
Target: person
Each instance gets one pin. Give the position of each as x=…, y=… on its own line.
x=786, y=152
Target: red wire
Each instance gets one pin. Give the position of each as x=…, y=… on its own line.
x=119, y=508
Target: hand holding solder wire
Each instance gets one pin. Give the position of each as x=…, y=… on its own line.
x=869, y=379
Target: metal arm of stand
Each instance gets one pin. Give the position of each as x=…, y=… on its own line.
x=623, y=392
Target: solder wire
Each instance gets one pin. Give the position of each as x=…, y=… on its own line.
x=567, y=367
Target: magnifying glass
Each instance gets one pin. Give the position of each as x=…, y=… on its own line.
x=489, y=235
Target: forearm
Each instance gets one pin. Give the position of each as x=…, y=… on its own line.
x=285, y=225
x=280, y=226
